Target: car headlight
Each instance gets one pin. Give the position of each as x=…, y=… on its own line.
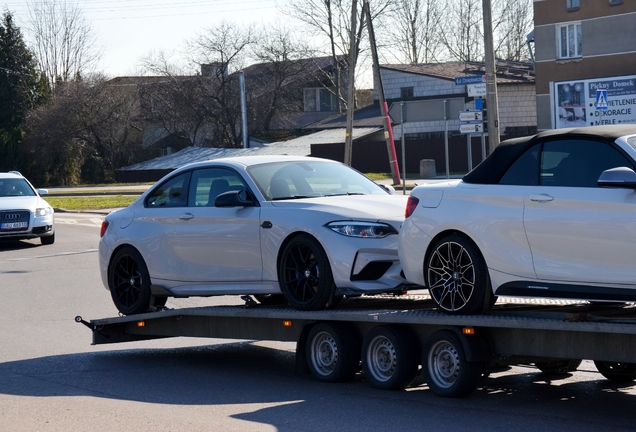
x=44, y=211
x=362, y=229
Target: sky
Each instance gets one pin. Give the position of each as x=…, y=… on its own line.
x=130, y=29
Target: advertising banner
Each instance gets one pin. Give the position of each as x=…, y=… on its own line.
x=595, y=102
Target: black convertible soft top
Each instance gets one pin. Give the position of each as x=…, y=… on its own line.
x=496, y=164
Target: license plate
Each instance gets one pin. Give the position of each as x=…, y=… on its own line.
x=14, y=225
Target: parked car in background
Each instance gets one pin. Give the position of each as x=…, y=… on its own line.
x=310, y=229
x=551, y=215
x=23, y=212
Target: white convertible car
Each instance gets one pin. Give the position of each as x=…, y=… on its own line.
x=552, y=215
x=311, y=229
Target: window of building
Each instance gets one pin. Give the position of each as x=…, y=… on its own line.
x=406, y=92
x=569, y=40
x=573, y=4
x=318, y=99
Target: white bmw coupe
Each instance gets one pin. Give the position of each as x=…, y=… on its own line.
x=310, y=229
x=552, y=215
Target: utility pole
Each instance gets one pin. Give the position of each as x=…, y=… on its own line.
x=491, y=78
x=388, y=133
x=351, y=89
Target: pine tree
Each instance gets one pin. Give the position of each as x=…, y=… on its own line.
x=21, y=89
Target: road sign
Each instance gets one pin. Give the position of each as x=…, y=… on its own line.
x=471, y=128
x=470, y=116
x=475, y=90
x=470, y=79
x=601, y=100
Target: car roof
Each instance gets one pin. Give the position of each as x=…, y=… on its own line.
x=254, y=160
x=496, y=164
x=9, y=175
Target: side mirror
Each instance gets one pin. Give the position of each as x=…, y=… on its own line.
x=233, y=199
x=43, y=192
x=390, y=189
x=621, y=177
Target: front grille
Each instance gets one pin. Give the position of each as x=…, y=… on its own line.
x=8, y=218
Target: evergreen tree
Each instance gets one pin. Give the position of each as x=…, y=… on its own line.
x=21, y=89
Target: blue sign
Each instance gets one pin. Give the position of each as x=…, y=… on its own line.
x=479, y=104
x=471, y=79
x=601, y=100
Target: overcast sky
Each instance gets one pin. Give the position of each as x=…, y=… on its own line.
x=130, y=29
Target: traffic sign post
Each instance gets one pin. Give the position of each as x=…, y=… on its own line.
x=470, y=116
x=471, y=128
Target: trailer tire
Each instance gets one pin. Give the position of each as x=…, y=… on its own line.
x=389, y=357
x=558, y=366
x=129, y=281
x=333, y=352
x=617, y=371
x=445, y=368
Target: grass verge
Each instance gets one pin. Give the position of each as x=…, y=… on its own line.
x=91, y=203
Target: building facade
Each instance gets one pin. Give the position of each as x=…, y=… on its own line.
x=585, y=60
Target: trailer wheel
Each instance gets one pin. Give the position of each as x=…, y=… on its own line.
x=333, y=352
x=457, y=276
x=305, y=275
x=558, y=366
x=617, y=371
x=446, y=370
x=129, y=282
x=389, y=357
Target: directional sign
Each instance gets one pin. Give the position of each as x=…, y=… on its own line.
x=471, y=128
x=470, y=79
x=475, y=90
x=601, y=100
x=470, y=116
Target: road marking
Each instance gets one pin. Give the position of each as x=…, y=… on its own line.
x=53, y=255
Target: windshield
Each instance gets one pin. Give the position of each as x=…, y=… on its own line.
x=15, y=187
x=289, y=180
x=632, y=141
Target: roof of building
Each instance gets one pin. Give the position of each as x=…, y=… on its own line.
x=508, y=72
x=296, y=147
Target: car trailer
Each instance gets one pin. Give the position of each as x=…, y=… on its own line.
x=390, y=337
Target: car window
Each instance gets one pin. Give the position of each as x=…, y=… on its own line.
x=578, y=162
x=15, y=187
x=525, y=170
x=171, y=193
x=207, y=184
x=300, y=179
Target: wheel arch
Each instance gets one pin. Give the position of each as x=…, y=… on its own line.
x=447, y=233
x=288, y=239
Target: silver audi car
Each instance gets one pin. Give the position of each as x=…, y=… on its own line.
x=303, y=230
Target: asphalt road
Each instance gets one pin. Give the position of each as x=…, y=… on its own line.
x=52, y=379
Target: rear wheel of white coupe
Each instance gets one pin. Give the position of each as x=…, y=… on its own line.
x=305, y=275
x=457, y=276
x=333, y=352
x=129, y=282
x=389, y=357
x=445, y=368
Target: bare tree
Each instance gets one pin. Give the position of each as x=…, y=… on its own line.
x=65, y=43
x=462, y=30
x=414, y=30
x=514, y=22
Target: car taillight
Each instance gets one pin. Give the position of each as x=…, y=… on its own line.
x=411, y=205
x=102, y=231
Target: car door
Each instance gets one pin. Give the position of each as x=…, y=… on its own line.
x=577, y=231
x=217, y=244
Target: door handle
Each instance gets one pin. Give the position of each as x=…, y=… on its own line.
x=541, y=198
x=186, y=216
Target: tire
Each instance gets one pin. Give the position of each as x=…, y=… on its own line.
x=445, y=368
x=389, y=357
x=305, y=276
x=617, y=371
x=129, y=282
x=457, y=276
x=48, y=240
x=558, y=366
x=158, y=301
x=271, y=299
x=333, y=352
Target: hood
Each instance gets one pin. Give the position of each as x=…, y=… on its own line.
x=22, y=203
x=355, y=207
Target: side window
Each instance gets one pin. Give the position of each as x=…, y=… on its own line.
x=578, y=163
x=525, y=170
x=208, y=183
x=172, y=193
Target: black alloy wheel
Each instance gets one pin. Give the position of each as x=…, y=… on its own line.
x=129, y=282
x=305, y=275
